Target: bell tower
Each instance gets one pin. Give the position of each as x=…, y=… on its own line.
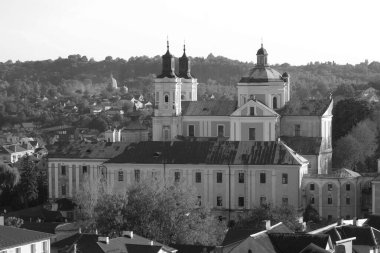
x=167, y=109
x=189, y=83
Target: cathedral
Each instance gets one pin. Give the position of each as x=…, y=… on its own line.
x=261, y=112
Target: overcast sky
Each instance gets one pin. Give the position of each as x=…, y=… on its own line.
x=296, y=32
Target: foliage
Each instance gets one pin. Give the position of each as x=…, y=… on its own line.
x=311, y=214
x=28, y=186
x=347, y=153
x=13, y=222
x=165, y=213
x=9, y=176
x=347, y=113
x=285, y=214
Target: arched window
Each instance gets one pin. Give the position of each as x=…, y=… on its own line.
x=166, y=98
x=274, y=102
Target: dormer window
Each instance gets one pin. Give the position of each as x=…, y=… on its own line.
x=252, y=111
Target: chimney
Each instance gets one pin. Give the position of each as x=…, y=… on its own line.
x=354, y=221
x=96, y=231
x=151, y=243
x=74, y=248
x=340, y=222
x=104, y=239
x=303, y=226
x=1, y=220
x=79, y=230
x=128, y=234
x=267, y=224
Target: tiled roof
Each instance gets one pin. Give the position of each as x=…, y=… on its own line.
x=46, y=227
x=312, y=248
x=208, y=152
x=303, y=145
x=310, y=107
x=364, y=235
x=14, y=148
x=135, y=125
x=35, y=213
x=208, y=108
x=84, y=150
x=292, y=243
x=237, y=234
x=374, y=221
x=182, y=248
x=345, y=173
x=84, y=242
x=12, y=237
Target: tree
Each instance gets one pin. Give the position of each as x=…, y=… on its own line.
x=345, y=90
x=9, y=176
x=311, y=214
x=13, y=222
x=28, y=186
x=285, y=214
x=347, y=153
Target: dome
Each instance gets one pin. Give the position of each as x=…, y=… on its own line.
x=262, y=51
x=260, y=74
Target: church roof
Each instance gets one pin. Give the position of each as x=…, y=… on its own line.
x=208, y=108
x=262, y=74
x=209, y=152
x=303, y=145
x=310, y=107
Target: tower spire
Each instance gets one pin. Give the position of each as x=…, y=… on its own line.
x=167, y=42
x=168, y=63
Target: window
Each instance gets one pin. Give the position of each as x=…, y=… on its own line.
x=63, y=189
x=297, y=130
x=121, y=176
x=348, y=187
x=241, y=177
x=329, y=200
x=348, y=200
x=33, y=248
x=137, y=175
x=220, y=130
x=199, y=202
x=284, y=178
x=18, y=250
x=329, y=187
x=191, y=130
x=219, y=177
x=219, y=201
x=84, y=169
x=252, y=111
x=198, y=177
x=241, y=202
x=166, y=98
x=285, y=201
x=262, y=178
x=263, y=200
x=177, y=176
x=252, y=134
x=312, y=187
x=312, y=200
x=63, y=170
x=274, y=102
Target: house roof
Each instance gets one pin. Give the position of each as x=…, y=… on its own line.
x=262, y=74
x=237, y=234
x=303, y=145
x=364, y=235
x=373, y=220
x=208, y=108
x=35, y=213
x=209, y=152
x=46, y=227
x=311, y=107
x=84, y=150
x=135, y=125
x=345, y=173
x=89, y=243
x=13, y=148
x=12, y=237
x=312, y=248
x=182, y=248
x=292, y=242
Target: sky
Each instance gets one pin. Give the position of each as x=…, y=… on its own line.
x=293, y=31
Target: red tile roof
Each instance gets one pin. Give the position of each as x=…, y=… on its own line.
x=208, y=108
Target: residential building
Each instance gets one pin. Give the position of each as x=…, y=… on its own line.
x=341, y=194
x=21, y=240
x=12, y=153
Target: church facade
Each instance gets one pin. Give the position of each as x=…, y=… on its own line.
x=261, y=112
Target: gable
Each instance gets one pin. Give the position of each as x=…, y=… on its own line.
x=260, y=110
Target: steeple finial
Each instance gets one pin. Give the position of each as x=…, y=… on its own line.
x=167, y=42
x=184, y=46
x=262, y=43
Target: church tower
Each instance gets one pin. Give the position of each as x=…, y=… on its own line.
x=167, y=87
x=189, y=83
